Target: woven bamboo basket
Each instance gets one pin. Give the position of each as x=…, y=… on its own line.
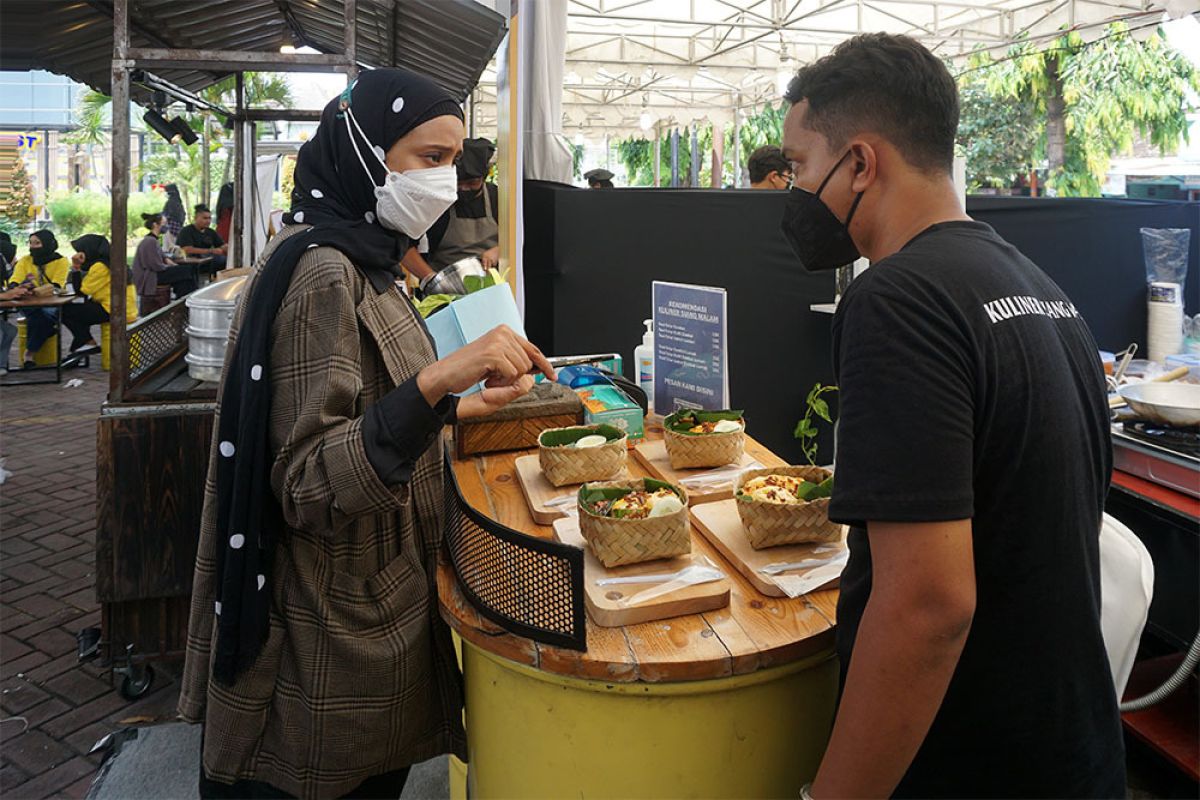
x=632, y=541
x=704, y=450
x=566, y=465
x=770, y=524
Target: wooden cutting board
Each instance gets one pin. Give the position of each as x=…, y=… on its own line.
x=603, y=602
x=653, y=456
x=539, y=491
x=721, y=525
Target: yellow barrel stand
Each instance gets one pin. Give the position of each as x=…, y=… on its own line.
x=45, y=355
x=533, y=734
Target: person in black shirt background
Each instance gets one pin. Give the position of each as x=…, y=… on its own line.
x=201, y=239
x=973, y=460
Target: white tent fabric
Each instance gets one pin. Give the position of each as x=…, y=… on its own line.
x=635, y=65
x=543, y=33
x=266, y=171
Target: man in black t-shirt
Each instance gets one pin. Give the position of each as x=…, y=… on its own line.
x=200, y=239
x=972, y=464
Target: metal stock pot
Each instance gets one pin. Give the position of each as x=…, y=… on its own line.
x=210, y=313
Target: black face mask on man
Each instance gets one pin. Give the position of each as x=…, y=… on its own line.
x=819, y=239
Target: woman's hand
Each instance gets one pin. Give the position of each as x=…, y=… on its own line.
x=490, y=257
x=492, y=399
x=500, y=359
x=77, y=262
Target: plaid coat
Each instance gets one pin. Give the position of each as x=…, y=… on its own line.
x=358, y=675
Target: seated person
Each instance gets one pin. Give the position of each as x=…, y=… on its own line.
x=598, y=178
x=150, y=268
x=43, y=266
x=468, y=228
x=201, y=240
x=91, y=260
x=769, y=169
x=8, y=331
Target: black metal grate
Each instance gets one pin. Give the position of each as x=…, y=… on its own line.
x=155, y=337
x=528, y=586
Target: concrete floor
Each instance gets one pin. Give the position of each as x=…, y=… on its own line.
x=162, y=763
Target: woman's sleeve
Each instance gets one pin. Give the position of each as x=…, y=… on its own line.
x=322, y=473
x=95, y=282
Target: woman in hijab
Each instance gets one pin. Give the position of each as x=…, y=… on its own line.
x=44, y=265
x=173, y=216
x=316, y=656
x=150, y=268
x=91, y=261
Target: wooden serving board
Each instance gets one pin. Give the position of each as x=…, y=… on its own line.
x=603, y=602
x=721, y=525
x=539, y=491
x=653, y=456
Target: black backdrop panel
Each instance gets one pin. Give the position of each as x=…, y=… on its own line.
x=590, y=257
x=1092, y=248
x=608, y=246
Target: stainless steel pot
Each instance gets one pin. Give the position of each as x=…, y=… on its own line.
x=449, y=280
x=1165, y=403
x=210, y=313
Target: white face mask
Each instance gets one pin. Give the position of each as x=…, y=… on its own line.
x=408, y=202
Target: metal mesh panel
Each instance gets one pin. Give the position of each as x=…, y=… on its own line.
x=154, y=338
x=530, y=587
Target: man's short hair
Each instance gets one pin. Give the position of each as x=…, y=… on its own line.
x=200, y=208
x=885, y=84
x=764, y=161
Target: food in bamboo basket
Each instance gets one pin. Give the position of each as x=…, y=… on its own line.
x=582, y=453
x=627, y=522
x=786, y=505
x=704, y=438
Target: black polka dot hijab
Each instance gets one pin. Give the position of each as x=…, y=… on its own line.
x=336, y=196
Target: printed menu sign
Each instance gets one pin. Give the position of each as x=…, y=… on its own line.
x=691, y=352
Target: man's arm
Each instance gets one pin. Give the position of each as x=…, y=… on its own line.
x=908, y=644
x=416, y=264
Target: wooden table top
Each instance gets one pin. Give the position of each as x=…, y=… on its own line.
x=39, y=302
x=752, y=633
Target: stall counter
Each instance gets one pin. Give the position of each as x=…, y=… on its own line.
x=736, y=702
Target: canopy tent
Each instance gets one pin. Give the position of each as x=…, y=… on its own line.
x=634, y=65
x=75, y=37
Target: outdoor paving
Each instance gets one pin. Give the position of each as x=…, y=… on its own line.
x=53, y=707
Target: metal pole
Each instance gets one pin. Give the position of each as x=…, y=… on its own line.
x=350, y=38
x=657, y=154
x=675, y=158
x=205, y=143
x=120, y=200
x=252, y=190
x=718, y=155
x=737, y=141
x=236, y=245
x=471, y=114
x=694, y=173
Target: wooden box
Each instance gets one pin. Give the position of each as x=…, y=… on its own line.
x=517, y=426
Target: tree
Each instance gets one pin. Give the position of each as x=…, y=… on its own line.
x=92, y=122
x=1000, y=137
x=1093, y=97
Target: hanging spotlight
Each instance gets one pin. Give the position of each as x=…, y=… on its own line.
x=184, y=130
x=159, y=125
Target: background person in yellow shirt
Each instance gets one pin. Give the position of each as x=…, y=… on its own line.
x=91, y=260
x=44, y=265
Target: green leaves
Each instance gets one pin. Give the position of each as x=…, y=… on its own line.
x=1112, y=88
x=564, y=436
x=806, y=429
x=681, y=421
x=590, y=495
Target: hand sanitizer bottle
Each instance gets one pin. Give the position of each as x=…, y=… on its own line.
x=643, y=357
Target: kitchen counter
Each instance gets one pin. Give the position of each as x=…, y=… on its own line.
x=733, y=702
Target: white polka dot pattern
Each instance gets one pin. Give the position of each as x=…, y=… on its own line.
x=236, y=541
x=256, y=372
x=397, y=104
x=227, y=449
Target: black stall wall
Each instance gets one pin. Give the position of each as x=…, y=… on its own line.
x=590, y=257
x=1092, y=248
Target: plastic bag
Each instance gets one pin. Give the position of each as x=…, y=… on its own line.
x=1166, y=254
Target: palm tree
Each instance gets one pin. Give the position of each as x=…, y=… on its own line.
x=92, y=120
